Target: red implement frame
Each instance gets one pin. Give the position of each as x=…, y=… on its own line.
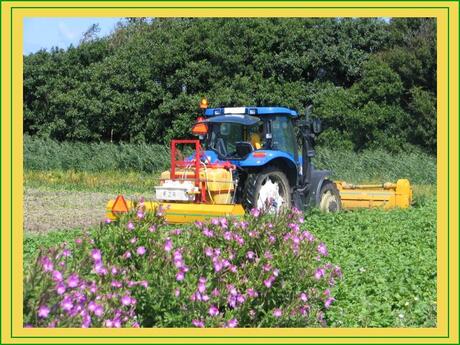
x=182, y=164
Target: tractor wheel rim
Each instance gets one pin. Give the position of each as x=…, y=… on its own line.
x=270, y=197
x=328, y=202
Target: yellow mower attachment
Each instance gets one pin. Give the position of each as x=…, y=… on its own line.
x=175, y=212
x=386, y=195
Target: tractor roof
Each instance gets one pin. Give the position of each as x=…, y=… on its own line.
x=258, y=111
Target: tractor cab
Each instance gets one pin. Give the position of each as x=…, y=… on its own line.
x=235, y=133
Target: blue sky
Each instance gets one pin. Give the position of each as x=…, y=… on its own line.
x=60, y=32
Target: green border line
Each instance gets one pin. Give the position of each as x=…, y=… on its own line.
x=262, y=1
x=11, y=172
x=232, y=7
x=448, y=170
x=1, y=175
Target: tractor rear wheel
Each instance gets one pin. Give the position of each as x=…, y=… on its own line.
x=267, y=190
x=329, y=201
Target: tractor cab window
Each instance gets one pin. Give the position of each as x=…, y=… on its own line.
x=234, y=140
x=283, y=136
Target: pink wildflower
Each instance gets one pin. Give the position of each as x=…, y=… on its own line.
x=96, y=254
x=73, y=280
x=168, y=245
x=43, y=311
x=303, y=297
x=277, y=312
x=213, y=310
x=116, y=284
x=208, y=233
x=66, y=304
x=232, y=323
x=57, y=276
x=250, y=255
x=60, y=288
x=322, y=249
x=319, y=273
x=180, y=276
x=198, y=323
x=255, y=212
x=328, y=302
x=99, y=310
x=268, y=282
x=126, y=300
x=141, y=250
x=217, y=264
x=252, y=293
x=130, y=226
x=47, y=264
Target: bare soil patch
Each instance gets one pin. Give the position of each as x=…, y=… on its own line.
x=46, y=210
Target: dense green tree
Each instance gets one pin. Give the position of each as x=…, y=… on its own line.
x=372, y=82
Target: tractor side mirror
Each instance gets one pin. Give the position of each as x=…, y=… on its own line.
x=316, y=126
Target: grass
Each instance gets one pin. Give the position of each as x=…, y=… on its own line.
x=389, y=264
x=32, y=243
x=116, y=160
x=104, y=181
x=377, y=166
x=46, y=154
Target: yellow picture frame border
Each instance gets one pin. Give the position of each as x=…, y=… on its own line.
x=13, y=14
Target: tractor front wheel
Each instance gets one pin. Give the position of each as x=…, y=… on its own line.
x=268, y=190
x=329, y=198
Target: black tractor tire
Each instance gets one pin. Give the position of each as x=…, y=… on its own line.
x=255, y=181
x=329, y=199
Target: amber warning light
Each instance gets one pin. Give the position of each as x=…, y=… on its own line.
x=203, y=103
x=200, y=128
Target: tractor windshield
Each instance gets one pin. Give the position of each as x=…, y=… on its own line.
x=234, y=140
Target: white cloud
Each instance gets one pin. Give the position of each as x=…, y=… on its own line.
x=65, y=31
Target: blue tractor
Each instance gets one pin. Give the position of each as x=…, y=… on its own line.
x=272, y=150
x=254, y=158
